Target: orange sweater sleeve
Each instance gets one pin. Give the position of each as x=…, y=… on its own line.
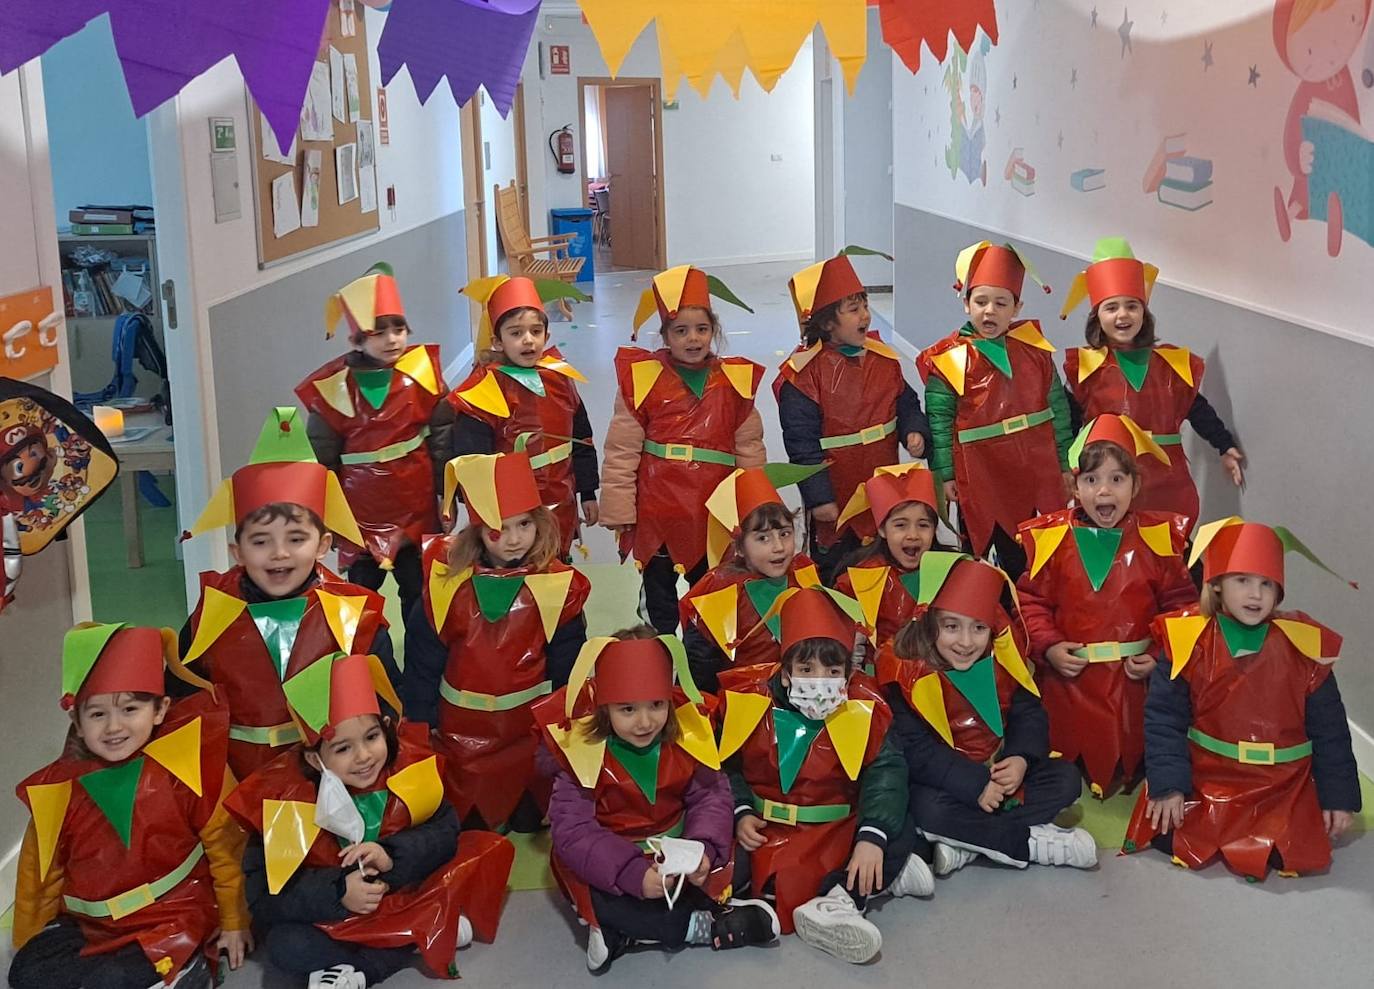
x=224, y=842
x=36, y=898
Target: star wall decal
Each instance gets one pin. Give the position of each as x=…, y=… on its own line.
x=1124, y=32
x=1254, y=76
x=1061, y=140
x=1073, y=78
x=1207, y=60
x=1094, y=17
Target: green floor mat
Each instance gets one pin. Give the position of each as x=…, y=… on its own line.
x=153, y=594
x=531, y=869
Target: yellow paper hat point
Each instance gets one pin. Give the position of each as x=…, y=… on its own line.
x=644, y=310
x=964, y=261
x=218, y=513
x=1078, y=291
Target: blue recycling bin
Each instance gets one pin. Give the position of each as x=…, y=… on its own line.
x=577, y=220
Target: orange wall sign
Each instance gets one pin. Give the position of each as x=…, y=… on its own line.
x=29, y=325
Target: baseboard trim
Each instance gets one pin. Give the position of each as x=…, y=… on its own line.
x=751, y=259
x=1363, y=744
x=459, y=367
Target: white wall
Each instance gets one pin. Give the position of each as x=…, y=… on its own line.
x=726, y=200
x=868, y=158
x=498, y=141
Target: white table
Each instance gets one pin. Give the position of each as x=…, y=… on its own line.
x=154, y=453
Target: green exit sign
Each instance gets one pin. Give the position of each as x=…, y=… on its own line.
x=222, y=134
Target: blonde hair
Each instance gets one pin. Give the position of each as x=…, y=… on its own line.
x=1304, y=10
x=1209, y=598
x=467, y=547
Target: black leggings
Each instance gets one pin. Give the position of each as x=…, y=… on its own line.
x=658, y=598
x=303, y=948
x=367, y=572
x=628, y=918
x=52, y=959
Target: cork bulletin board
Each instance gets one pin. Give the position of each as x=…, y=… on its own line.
x=279, y=239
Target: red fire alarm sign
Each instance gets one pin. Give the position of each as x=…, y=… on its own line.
x=560, y=60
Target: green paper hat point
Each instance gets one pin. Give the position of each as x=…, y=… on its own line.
x=854, y=250
x=681, y=669
x=308, y=692
x=1292, y=544
x=81, y=648
x=1108, y=248
x=722, y=291
x=283, y=439
x=550, y=289
x=380, y=268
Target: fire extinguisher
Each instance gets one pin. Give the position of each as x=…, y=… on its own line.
x=561, y=147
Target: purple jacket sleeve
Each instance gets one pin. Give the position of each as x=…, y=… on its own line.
x=598, y=856
x=710, y=816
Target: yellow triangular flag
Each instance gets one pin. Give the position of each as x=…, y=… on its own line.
x=334, y=390
x=550, y=591
x=848, y=731
x=1089, y=360
x=178, y=752
x=416, y=365
x=338, y=516
x=644, y=374
x=487, y=396
x=1028, y=332
x=846, y=35
x=1047, y=540
x=217, y=612
x=807, y=576
x=741, y=376
x=584, y=755
x=1179, y=359
x=952, y=364
x=743, y=712
x=48, y=804
x=442, y=586
x=929, y=701
x=868, y=583
x=719, y=612
x=1183, y=633
x=560, y=366
x=1306, y=638
x=218, y=512
x=343, y=614
x=288, y=831
x=695, y=736
x=616, y=24
x=1158, y=538
x=419, y=787
x=1008, y=656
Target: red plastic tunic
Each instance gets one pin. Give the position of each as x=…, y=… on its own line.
x=761, y=647
x=1161, y=406
x=1002, y=480
x=973, y=739
x=238, y=662
x=1244, y=811
x=797, y=857
x=853, y=394
x=548, y=418
x=895, y=604
x=472, y=883
x=671, y=494
x=1099, y=715
x=393, y=500
x=490, y=753
x=167, y=825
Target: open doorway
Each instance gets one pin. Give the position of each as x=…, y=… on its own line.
x=493, y=155
x=622, y=155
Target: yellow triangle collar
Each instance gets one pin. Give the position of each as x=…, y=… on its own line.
x=881, y=349
x=801, y=358
x=559, y=366
x=416, y=365
x=1028, y=332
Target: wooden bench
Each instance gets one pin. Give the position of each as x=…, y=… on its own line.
x=522, y=250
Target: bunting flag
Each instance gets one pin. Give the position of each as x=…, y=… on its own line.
x=906, y=24
x=217, y=612
x=472, y=42
x=1182, y=633
x=550, y=593
x=995, y=352
x=443, y=585
x=370, y=806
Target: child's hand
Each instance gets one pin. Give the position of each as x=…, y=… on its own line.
x=1337, y=822
x=865, y=869
x=361, y=893
x=1165, y=813
x=749, y=832
x=1234, y=462
x=236, y=944
x=991, y=797
x=1065, y=663
x=371, y=854
x=591, y=511
x=828, y=512
x=1009, y=773
x=1139, y=667
x=652, y=887
x=915, y=444
x=951, y=491
x=697, y=877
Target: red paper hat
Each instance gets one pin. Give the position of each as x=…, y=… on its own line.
x=351, y=692
x=514, y=293
x=823, y=284
x=996, y=265
x=335, y=688
x=810, y=613
x=1121, y=430
x=19, y=437
x=363, y=300
x=256, y=485
x=633, y=670
x=974, y=589
x=753, y=490
x=695, y=292
x=495, y=486
x=1248, y=547
x=887, y=491
x=1115, y=276
x=111, y=659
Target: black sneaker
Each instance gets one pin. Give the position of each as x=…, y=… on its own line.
x=744, y=922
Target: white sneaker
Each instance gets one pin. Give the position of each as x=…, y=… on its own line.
x=951, y=858
x=464, y=932
x=915, y=879
x=598, y=954
x=337, y=977
x=1053, y=845
x=835, y=925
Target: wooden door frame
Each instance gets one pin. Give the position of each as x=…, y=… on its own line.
x=655, y=93
x=522, y=171
x=474, y=188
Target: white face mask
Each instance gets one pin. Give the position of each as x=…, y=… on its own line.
x=676, y=858
x=817, y=697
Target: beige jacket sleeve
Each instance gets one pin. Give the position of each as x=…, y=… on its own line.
x=620, y=465
x=749, y=450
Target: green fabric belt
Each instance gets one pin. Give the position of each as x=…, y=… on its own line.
x=1167, y=439
x=1111, y=652
x=139, y=897
x=865, y=436
x=553, y=455
x=1006, y=427
x=674, y=832
x=1251, y=753
x=393, y=451
x=778, y=813
x=473, y=700
x=273, y=735
x=685, y=451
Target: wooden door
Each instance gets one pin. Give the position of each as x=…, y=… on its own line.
x=629, y=124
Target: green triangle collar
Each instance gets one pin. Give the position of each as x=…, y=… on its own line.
x=527, y=376
x=995, y=350
x=371, y=805
x=495, y=594
x=1097, y=551
x=694, y=378
x=373, y=384
x=278, y=622
x=641, y=764
x=113, y=791
x=849, y=350
x=1135, y=365
x=978, y=686
x=762, y=593
x=1241, y=639
x=793, y=735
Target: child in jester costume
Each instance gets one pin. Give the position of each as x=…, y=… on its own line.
x=499, y=626
x=355, y=862
x=1126, y=371
x=843, y=402
x=522, y=387
x=1088, y=601
x=751, y=544
x=997, y=410
x=968, y=718
x=378, y=419
x=640, y=814
x=684, y=419
x=279, y=608
x=1247, y=746
x=130, y=865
